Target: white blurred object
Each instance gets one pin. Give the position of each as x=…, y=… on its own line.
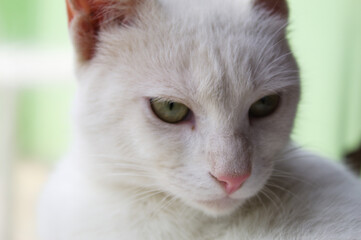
x=22, y=66
x=32, y=65
x=7, y=135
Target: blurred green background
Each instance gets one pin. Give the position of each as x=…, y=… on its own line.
x=325, y=36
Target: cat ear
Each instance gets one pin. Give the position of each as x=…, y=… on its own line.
x=87, y=17
x=275, y=7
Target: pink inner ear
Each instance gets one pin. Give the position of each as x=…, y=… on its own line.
x=278, y=7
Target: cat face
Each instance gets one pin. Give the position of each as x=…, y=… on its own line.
x=217, y=68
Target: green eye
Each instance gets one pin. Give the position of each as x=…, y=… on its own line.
x=264, y=107
x=170, y=112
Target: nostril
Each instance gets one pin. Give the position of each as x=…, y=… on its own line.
x=232, y=183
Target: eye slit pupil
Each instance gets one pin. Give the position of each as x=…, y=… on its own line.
x=171, y=105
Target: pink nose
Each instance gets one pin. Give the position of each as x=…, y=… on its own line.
x=231, y=183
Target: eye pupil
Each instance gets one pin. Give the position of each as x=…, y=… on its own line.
x=171, y=106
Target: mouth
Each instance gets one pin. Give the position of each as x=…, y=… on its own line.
x=222, y=201
x=220, y=206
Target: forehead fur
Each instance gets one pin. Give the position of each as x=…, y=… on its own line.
x=215, y=55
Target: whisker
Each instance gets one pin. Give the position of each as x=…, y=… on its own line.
x=163, y=204
x=284, y=175
x=260, y=200
x=283, y=189
x=263, y=191
x=144, y=195
x=266, y=45
x=269, y=65
x=128, y=174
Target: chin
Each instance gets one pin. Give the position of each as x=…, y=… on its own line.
x=218, y=207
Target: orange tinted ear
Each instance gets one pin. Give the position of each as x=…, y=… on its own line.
x=87, y=17
x=278, y=7
x=69, y=11
x=76, y=7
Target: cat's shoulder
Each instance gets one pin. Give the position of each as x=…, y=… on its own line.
x=317, y=197
x=316, y=170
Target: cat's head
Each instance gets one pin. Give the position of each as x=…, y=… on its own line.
x=190, y=98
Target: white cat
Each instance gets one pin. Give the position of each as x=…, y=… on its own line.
x=183, y=118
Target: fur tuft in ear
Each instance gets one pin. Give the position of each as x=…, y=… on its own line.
x=275, y=7
x=87, y=17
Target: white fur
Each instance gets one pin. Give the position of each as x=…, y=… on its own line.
x=131, y=176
